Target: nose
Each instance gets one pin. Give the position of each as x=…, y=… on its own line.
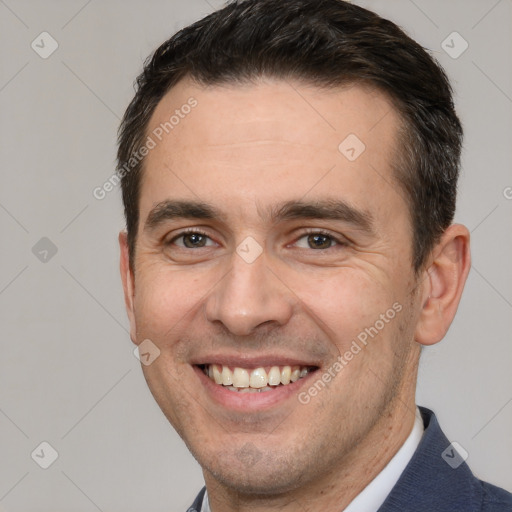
x=249, y=296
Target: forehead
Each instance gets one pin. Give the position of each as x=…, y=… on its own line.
x=271, y=109
x=246, y=146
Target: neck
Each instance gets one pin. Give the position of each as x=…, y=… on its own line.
x=334, y=490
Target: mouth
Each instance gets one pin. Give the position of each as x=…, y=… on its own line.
x=255, y=380
x=253, y=388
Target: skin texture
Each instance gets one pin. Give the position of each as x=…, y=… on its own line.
x=243, y=150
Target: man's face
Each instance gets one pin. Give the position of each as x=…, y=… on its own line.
x=299, y=256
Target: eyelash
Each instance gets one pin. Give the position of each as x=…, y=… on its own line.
x=310, y=231
x=190, y=231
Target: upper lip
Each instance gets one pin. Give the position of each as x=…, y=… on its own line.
x=254, y=362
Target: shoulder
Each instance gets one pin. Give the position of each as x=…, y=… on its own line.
x=495, y=499
x=438, y=478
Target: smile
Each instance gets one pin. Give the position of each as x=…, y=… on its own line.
x=256, y=380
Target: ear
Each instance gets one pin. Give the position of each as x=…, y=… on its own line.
x=442, y=284
x=128, y=283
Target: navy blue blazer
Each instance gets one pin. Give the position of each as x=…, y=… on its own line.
x=435, y=480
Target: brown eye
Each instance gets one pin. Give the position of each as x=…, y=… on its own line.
x=192, y=240
x=319, y=241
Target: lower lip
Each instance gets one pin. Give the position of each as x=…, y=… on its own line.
x=250, y=401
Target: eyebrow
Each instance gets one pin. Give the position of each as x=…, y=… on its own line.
x=330, y=209
x=170, y=210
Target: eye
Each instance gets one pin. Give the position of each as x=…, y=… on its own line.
x=192, y=240
x=317, y=240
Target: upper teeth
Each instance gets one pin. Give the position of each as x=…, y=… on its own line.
x=257, y=378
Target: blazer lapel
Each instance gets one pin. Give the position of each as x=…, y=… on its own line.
x=198, y=502
x=429, y=482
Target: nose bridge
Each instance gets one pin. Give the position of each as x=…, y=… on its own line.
x=249, y=294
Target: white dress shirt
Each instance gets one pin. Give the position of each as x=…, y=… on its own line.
x=376, y=492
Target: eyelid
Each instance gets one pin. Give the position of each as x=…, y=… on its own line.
x=339, y=240
x=188, y=231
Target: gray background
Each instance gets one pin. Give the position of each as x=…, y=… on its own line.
x=68, y=373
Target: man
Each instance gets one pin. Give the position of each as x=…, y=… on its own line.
x=289, y=176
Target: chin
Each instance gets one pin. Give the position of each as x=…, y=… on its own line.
x=259, y=479
x=253, y=468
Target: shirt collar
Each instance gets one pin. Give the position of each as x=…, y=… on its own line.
x=376, y=492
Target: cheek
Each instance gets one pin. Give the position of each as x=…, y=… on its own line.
x=345, y=303
x=164, y=299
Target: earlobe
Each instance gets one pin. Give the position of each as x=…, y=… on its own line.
x=128, y=283
x=443, y=283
